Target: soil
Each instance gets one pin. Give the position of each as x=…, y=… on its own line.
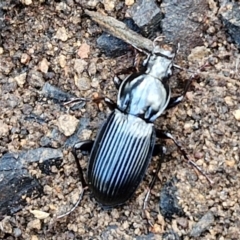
x=55, y=42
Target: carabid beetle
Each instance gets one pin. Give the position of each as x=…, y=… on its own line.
x=125, y=143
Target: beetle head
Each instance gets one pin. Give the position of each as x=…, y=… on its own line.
x=159, y=63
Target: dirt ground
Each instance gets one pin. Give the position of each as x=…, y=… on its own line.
x=54, y=42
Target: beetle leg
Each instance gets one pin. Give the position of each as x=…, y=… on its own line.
x=75, y=205
x=117, y=82
x=162, y=151
x=166, y=135
x=85, y=146
x=174, y=101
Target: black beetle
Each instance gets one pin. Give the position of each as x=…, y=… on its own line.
x=125, y=143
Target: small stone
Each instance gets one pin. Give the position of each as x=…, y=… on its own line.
x=62, y=34
x=21, y=79
x=157, y=229
x=230, y=163
x=35, y=79
x=1, y=50
x=198, y=53
x=4, y=128
x=183, y=222
x=84, y=50
x=83, y=83
x=109, y=5
x=147, y=15
x=34, y=224
x=43, y=65
x=228, y=101
x=17, y=232
x=79, y=65
x=129, y=2
x=203, y=224
x=25, y=58
x=5, y=225
x=27, y=2
x=34, y=237
x=39, y=214
x=62, y=61
x=67, y=124
x=236, y=114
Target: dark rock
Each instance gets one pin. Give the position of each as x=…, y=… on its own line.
x=40, y=154
x=203, y=224
x=168, y=200
x=147, y=15
x=33, y=117
x=15, y=183
x=149, y=236
x=182, y=22
x=35, y=79
x=112, y=46
x=15, y=180
x=230, y=16
x=109, y=231
x=53, y=92
x=45, y=166
x=170, y=236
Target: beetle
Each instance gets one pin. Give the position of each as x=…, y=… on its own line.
x=125, y=143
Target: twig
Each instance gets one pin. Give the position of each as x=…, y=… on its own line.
x=120, y=30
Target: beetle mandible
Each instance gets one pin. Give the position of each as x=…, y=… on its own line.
x=125, y=143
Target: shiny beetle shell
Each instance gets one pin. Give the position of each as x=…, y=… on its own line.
x=120, y=157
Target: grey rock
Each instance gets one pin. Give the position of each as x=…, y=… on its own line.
x=147, y=15
x=182, y=22
x=203, y=224
x=231, y=20
x=16, y=181
x=168, y=200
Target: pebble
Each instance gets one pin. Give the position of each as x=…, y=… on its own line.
x=43, y=65
x=4, y=128
x=39, y=214
x=17, y=232
x=25, y=58
x=67, y=124
x=129, y=2
x=79, y=65
x=83, y=83
x=27, y=2
x=236, y=114
x=21, y=79
x=83, y=51
x=5, y=225
x=35, y=79
x=198, y=53
x=62, y=34
x=109, y=5
x=62, y=61
x=34, y=224
x=203, y=224
x=34, y=237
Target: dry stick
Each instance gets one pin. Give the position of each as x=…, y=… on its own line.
x=120, y=30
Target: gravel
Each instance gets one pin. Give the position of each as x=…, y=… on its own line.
x=54, y=42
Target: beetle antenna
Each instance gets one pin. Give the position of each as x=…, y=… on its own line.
x=180, y=147
x=76, y=100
